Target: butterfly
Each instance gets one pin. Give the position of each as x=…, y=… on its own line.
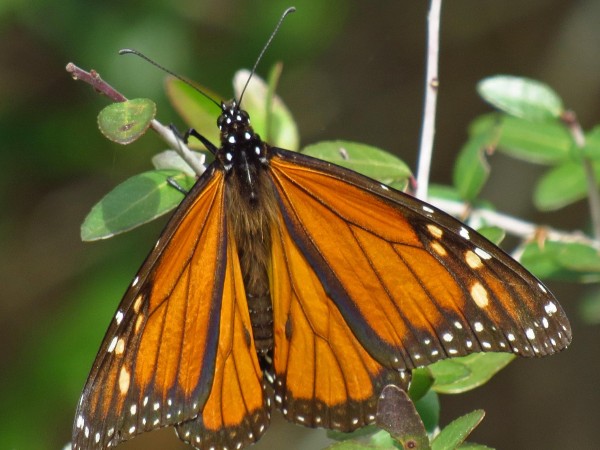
x=284, y=281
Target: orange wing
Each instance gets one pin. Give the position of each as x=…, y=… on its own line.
x=367, y=279
x=169, y=355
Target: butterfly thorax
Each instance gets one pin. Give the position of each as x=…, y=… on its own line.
x=251, y=213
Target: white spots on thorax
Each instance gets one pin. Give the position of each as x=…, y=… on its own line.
x=247, y=136
x=550, y=309
x=257, y=150
x=473, y=261
x=229, y=156
x=479, y=294
x=231, y=139
x=464, y=233
x=119, y=317
x=483, y=254
x=124, y=379
x=530, y=333
x=435, y=231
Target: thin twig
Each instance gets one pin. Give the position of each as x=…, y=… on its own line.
x=570, y=119
x=93, y=79
x=431, y=89
x=512, y=225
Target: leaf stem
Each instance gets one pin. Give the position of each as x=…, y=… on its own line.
x=569, y=118
x=170, y=137
x=431, y=89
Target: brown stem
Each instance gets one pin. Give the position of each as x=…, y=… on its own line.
x=93, y=79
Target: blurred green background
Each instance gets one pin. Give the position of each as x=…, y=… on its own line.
x=352, y=70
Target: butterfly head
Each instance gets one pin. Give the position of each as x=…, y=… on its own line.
x=240, y=145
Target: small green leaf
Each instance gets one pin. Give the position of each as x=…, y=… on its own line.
x=569, y=261
x=197, y=110
x=282, y=130
x=124, y=122
x=365, y=159
x=134, y=202
x=494, y=234
x=534, y=142
x=448, y=371
x=562, y=186
x=471, y=169
x=521, y=97
x=457, y=431
x=592, y=144
x=589, y=307
x=170, y=159
x=480, y=367
x=473, y=446
x=422, y=380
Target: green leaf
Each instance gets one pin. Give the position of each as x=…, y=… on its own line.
x=476, y=370
x=421, y=382
x=562, y=186
x=492, y=233
x=365, y=159
x=471, y=169
x=170, y=160
x=521, y=97
x=125, y=122
x=473, y=446
x=589, y=307
x=457, y=431
x=428, y=407
x=197, y=110
x=568, y=261
x=534, y=142
x=134, y=202
x=282, y=130
x=592, y=144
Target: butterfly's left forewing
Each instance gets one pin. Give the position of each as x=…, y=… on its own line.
x=168, y=357
x=413, y=284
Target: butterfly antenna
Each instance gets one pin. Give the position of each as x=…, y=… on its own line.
x=290, y=10
x=126, y=51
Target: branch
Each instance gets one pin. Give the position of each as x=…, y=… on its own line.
x=431, y=89
x=169, y=136
x=512, y=225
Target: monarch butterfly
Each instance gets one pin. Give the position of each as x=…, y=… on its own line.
x=285, y=281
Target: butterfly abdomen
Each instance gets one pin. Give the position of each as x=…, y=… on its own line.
x=251, y=218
